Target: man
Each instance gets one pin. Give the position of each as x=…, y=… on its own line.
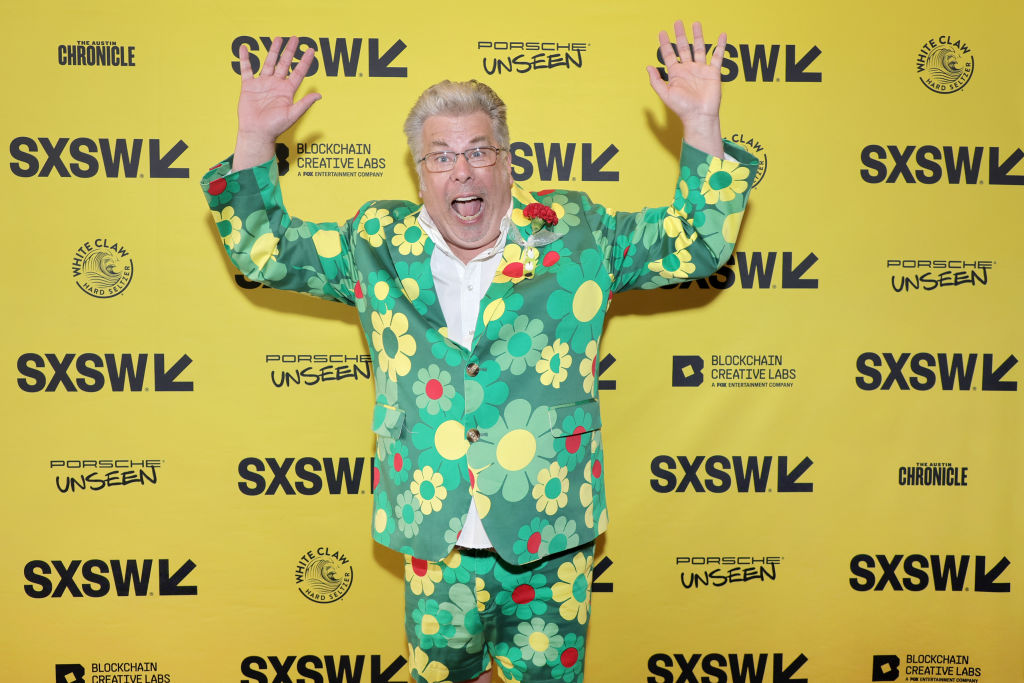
x=483, y=310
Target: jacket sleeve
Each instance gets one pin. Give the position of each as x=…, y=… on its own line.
x=688, y=240
x=268, y=245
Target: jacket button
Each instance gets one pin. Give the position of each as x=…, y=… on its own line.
x=473, y=435
x=472, y=369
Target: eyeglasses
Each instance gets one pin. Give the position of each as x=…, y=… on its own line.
x=478, y=157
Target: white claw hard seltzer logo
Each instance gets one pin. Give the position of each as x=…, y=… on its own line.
x=945, y=64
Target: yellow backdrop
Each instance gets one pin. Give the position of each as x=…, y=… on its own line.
x=846, y=503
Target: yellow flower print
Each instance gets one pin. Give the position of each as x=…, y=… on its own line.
x=587, y=499
x=264, y=249
x=724, y=180
x=731, y=227
x=554, y=363
x=552, y=489
x=517, y=263
x=421, y=575
x=428, y=487
x=588, y=366
x=677, y=265
x=431, y=672
x=482, y=596
x=372, y=224
x=573, y=588
x=409, y=237
x=392, y=344
x=231, y=232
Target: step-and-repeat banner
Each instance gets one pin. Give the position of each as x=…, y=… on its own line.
x=814, y=456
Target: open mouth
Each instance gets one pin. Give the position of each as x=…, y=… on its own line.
x=468, y=209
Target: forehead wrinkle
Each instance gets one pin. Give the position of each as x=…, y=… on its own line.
x=438, y=143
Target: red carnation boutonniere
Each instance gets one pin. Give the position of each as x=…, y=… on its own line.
x=540, y=216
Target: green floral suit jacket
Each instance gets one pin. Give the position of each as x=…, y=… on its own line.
x=514, y=421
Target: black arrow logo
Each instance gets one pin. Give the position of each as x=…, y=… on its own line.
x=170, y=584
x=785, y=675
x=793, y=278
x=992, y=380
x=166, y=380
x=160, y=166
x=788, y=480
x=593, y=169
x=600, y=568
x=999, y=174
x=796, y=72
x=985, y=582
x=606, y=362
x=378, y=676
x=380, y=66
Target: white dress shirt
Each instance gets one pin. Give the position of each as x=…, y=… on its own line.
x=460, y=288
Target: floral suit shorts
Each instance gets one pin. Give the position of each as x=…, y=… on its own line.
x=472, y=608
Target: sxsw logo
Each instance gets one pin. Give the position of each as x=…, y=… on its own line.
x=336, y=55
x=55, y=579
x=91, y=372
x=719, y=474
x=725, y=668
x=340, y=668
x=760, y=270
x=929, y=164
x=760, y=63
x=108, y=157
x=917, y=572
x=563, y=162
x=925, y=371
x=305, y=476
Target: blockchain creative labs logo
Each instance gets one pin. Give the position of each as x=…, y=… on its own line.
x=524, y=56
x=932, y=474
x=335, y=159
x=323, y=575
x=310, y=369
x=102, y=268
x=932, y=275
x=696, y=571
x=944, y=64
x=96, y=53
x=756, y=148
x=73, y=476
x=112, y=672
x=734, y=371
x=935, y=667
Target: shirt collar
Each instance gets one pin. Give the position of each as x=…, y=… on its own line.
x=428, y=225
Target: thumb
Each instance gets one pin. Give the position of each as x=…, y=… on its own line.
x=660, y=86
x=302, y=106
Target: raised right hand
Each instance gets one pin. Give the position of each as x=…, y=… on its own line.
x=266, y=105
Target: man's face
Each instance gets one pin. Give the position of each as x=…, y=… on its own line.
x=466, y=203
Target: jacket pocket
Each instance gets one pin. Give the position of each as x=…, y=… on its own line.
x=388, y=420
x=585, y=414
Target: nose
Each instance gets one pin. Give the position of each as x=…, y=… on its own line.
x=462, y=170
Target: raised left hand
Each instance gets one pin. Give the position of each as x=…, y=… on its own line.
x=694, y=87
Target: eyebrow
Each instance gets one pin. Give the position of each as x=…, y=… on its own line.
x=444, y=145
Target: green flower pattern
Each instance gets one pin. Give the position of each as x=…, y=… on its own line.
x=514, y=421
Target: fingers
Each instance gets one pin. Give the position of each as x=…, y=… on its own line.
x=244, y=67
x=302, y=106
x=699, y=54
x=270, y=63
x=659, y=85
x=682, y=42
x=299, y=72
x=283, y=64
x=716, y=54
x=668, y=55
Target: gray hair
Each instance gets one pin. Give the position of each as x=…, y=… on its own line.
x=451, y=98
